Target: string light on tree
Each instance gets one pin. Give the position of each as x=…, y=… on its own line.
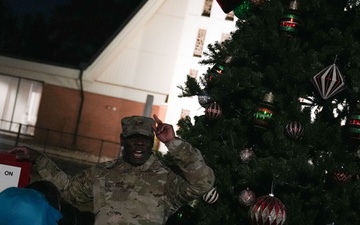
x=311, y=102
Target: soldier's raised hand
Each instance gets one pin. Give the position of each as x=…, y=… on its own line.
x=24, y=153
x=163, y=131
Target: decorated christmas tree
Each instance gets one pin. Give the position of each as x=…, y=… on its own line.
x=281, y=122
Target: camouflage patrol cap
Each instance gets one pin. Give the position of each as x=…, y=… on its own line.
x=137, y=125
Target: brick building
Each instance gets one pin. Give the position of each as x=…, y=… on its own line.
x=136, y=74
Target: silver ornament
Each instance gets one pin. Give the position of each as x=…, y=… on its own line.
x=246, y=197
x=204, y=100
x=246, y=155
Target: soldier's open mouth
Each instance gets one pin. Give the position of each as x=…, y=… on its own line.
x=138, y=154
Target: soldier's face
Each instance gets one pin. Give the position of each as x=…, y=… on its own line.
x=137, y=149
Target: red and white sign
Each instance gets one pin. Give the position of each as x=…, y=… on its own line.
x=13, y=173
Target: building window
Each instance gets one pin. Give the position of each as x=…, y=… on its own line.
x=225, y=36
x=193, y=73
x=199, y=42
x=184, y=113
x=19, y=101
x=207, y=8
x=230, y=16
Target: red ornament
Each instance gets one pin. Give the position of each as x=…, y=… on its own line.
x=213, y=111
x=341, y=177
x=294, y=130
x=267, y=210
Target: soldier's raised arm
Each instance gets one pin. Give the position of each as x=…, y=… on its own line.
x=197, y=177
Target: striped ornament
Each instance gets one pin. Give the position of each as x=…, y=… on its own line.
x=211, y=197
x=213, y=111
x=294, y=130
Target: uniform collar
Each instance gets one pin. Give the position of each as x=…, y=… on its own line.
x=144, y=167
x=148, y=163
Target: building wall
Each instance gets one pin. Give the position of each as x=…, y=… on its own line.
x=100, y=119
x=58, y=108
x=215, y=25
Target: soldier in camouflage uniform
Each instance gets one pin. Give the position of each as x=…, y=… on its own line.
x=136, y=189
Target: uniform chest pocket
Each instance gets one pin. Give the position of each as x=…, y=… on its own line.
x=133, y=185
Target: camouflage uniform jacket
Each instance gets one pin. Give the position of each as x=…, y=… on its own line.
x=144, y=195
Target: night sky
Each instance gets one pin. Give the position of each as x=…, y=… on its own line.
x=33, y=6
x=80, y=27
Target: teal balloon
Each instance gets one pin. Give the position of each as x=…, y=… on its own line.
x=23, y=206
